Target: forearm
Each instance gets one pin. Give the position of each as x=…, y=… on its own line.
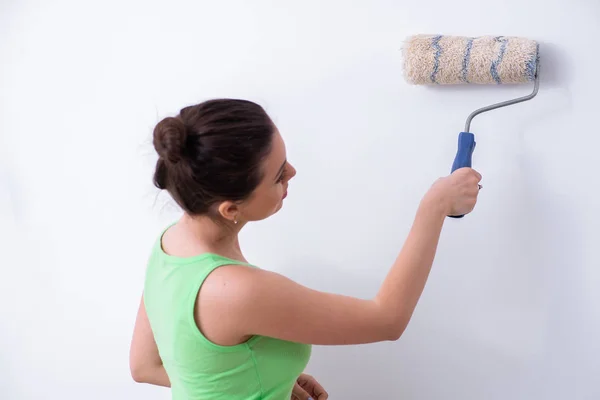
x=145, y=363
x=155, y=375
x=402, y=288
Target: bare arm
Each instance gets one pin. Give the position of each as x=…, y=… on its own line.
x=250, y=301
x=144, y=361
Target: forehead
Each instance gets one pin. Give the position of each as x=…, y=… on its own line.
x=277, y=154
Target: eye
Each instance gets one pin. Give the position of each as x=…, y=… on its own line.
x=282, y=176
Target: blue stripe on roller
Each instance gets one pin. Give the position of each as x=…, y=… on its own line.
x=532, y=63
x=494, y=66
x=466, y=59
x=435, y=43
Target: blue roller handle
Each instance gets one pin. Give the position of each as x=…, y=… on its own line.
x=464, y=155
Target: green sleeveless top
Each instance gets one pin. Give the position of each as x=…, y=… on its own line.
x=261, y=368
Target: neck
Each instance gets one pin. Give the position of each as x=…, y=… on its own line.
x=221, y=238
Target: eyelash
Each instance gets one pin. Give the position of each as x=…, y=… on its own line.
x=280, y=179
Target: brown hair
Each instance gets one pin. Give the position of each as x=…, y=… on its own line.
x=212, y=152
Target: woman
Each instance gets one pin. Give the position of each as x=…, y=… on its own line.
x=212, y=326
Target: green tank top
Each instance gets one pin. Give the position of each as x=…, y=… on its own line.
x=261, y=368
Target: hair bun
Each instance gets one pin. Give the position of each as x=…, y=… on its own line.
x=170, y=136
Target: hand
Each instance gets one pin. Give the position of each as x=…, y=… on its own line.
x=456, y=193
x=307, y=388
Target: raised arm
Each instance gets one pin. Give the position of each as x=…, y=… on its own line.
x=245, y=301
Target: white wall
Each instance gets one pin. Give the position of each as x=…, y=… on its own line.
x=512, y=308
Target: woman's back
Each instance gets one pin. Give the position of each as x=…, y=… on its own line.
x=225, y=164
x=260, y=368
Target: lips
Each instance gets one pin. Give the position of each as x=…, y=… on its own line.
x=284, y=195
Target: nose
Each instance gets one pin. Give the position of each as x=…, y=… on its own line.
x=292, y=172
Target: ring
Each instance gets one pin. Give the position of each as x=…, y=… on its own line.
x=480, y=186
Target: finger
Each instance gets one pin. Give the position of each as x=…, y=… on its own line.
x=318, y=393
x=473, y=172
x=322, y=395
x=304, y=379
x=298, y=393
x=311, y=385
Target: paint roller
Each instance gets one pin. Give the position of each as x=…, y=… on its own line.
x=458, y=60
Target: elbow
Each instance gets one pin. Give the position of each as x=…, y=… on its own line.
x=395, y=334
x=394, y=322
x=138, y=371
x=137, y=374
x=395, y=329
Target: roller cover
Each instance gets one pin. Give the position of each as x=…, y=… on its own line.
x=449, y=60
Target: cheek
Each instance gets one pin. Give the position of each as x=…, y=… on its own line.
x=276, y=194
x=272, y=200
x=264, y=203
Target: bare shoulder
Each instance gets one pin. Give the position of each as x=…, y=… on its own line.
x=236, y=285
x=232, y=288
x=226, y=277
x=221, y=299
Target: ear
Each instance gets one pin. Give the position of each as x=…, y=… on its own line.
x=229, y=210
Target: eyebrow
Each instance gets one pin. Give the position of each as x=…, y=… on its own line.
x=280, y=170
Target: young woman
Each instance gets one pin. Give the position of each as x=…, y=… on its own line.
x=212, y=326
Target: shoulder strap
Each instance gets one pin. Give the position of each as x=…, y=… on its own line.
x=213, y=262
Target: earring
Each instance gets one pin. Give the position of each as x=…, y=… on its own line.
x=235, y=221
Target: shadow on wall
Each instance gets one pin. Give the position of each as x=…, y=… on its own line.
x=428, y=362
x=9, y=389
x=528, y=299
x=11, y=199
x=556, y=257
x=556, y=68
x=10, y=212
x=28, y=325
x=496, y=324
x=366, y=366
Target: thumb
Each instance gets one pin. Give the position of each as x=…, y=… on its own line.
x=298, y=393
